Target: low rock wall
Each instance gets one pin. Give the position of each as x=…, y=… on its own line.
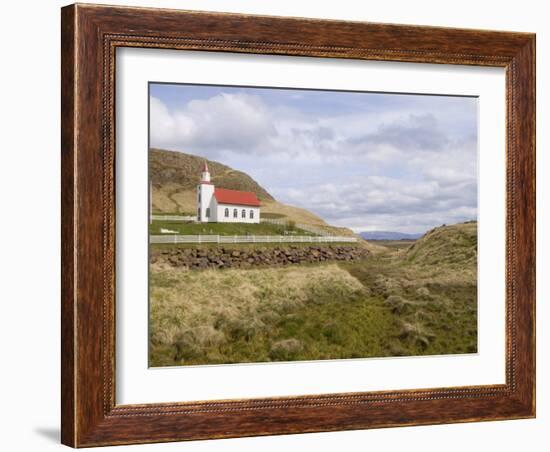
x=224, y=257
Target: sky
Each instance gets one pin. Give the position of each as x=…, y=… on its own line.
x=366, y=161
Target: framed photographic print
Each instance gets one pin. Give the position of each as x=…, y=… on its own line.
x=281, y=225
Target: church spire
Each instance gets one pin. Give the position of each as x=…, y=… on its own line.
x=205, y=176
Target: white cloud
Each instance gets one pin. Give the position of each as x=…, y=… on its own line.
x=223, y=122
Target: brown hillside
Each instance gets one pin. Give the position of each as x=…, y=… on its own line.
x=181, y=172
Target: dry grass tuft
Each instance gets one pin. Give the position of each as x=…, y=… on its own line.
x=415, y=332
x=285, y=350
x=399, y=305
x=385, y=285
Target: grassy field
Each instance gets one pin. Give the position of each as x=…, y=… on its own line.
x=393, y=244
x=225, y=228
x=415, y=300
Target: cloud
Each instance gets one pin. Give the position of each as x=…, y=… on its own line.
x=419, y=132
x=223, y=122
x=383, y=202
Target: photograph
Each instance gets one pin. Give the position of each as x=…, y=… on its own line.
x=302, y=224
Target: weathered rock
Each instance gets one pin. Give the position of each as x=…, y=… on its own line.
x=225, y=257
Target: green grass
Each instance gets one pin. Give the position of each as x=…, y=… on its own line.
x=436, y=306
x=315, y=333
x=397, y=303
x=225, y=228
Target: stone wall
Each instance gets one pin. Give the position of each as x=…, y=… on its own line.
x=243, y=257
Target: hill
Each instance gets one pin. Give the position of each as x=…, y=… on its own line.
x=388, y=235
x=453, y=244
x=174, y=177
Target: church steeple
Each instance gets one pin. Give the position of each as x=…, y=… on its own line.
x=205, y=176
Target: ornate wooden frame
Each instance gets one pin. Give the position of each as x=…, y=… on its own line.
x=90, y=35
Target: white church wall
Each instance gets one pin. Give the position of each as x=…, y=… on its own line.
x=221, y=218
x=214, y=210
x=206, y=193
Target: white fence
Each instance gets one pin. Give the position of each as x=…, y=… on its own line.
x=248, y=239
x=174, y=217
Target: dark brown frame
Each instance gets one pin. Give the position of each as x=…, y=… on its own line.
x=90, y=35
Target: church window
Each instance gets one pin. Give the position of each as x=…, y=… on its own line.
x=243, y=213
x=208, y=212
x=251, y=214
x=235, y=214
x=226, y=213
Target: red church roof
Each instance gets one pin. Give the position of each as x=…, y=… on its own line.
x=242, y=198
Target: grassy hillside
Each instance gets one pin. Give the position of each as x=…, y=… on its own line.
x=297, y=214
x=446, y=245
x=421, y=300
x=181, y=173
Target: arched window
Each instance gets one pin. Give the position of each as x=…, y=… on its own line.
x=226, y=213
x=251, y=214
x=243, y=214
x=235, y=214
x=208, y=212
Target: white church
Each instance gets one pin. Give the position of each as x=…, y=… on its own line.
x=225, y=206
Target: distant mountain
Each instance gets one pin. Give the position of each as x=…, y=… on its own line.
x=388, y=235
